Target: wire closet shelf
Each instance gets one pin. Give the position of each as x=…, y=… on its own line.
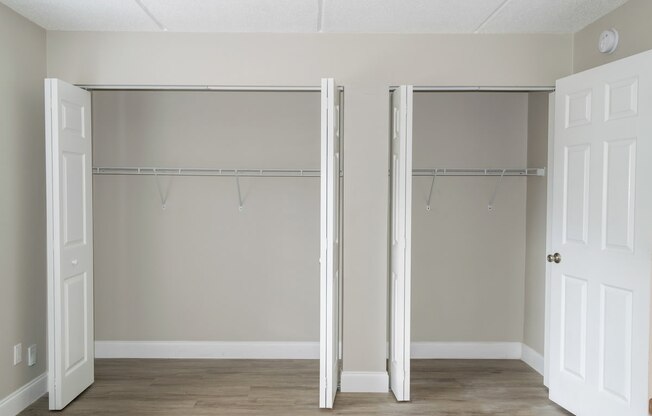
x=160, y=171
x=275, y=173
x=479, y=172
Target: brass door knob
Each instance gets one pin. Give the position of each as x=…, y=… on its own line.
x=554, y=258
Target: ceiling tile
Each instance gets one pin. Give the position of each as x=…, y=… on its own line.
x=100, y=15
x=406, y=16
x=236, y=15
x=548, y=16
x=288, y=16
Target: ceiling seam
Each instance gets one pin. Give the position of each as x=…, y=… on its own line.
x=491, y=16
x=320, y=15
x=151, y=15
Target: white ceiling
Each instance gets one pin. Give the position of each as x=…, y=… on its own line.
x=309, y=16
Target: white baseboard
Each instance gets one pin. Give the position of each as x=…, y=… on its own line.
x=207, y=349
x=364, y=382
x=479, y=351
x=467, y=350
x=533, y=359
x=19, y=400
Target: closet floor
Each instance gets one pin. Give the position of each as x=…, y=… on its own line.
x=289, y=387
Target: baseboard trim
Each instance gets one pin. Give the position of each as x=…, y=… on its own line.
x=19, y=400
x=208, y=350
x=364, y=382
x=533, y=359
x=467, y=350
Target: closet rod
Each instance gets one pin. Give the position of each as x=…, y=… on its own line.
x=155, y=171
x=479, y=172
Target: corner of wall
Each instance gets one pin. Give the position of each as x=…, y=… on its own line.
x=532, y=358
x=572, y=52
x=22, y=69
x=20, y=399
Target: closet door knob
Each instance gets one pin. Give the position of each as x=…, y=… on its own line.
x=74, y=262
x=554, y=258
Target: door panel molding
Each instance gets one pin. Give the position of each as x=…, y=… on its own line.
x=69, y=242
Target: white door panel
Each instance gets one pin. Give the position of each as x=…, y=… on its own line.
x=401, y=242
x=330, y=244
x=602, y=228
x=70, y=242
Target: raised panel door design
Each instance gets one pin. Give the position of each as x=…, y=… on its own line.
x=329, y=367
x=74, y=197
x=618, y=194
x=72, y=117
x=576, y=194
x=75, y=317
x=401, y=232
x=578, y=109
x=599, y=309
x=395, y=202
x=616, y=341
x=621, y=99
x=396, y=340
x=70, y=242
x=574, y=326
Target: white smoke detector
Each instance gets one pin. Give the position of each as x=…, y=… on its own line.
x=608, y=41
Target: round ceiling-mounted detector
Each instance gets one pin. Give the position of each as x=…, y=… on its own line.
x=608, y=41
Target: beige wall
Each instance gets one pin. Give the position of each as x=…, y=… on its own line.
x=201, y=270
x=366, y=65
x=536, y=223
x=22, y=186
x=467, y=261
x=632, y=20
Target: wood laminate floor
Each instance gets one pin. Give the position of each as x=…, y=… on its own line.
x=290, y=387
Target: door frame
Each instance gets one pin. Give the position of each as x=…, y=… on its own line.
x=549, y=195
x=216, y=88
x=481, y=88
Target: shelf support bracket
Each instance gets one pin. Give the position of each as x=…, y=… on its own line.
x=237, y=183
x=432, y=186
x=162, y=195
x=490, y=207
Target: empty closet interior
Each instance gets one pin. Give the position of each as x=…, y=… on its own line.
x=228, y=254
x=478, y=236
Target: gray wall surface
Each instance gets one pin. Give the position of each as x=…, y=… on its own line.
x=22, y=186
x=201, y=270
x=536, y=223
x=366, y=65
x=468, y=262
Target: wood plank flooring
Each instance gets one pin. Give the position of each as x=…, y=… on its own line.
x=289, y=387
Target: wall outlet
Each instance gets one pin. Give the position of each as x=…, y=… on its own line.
x=31, y=355
x=18, y=354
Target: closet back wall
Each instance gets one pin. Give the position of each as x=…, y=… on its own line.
x=201, y=270
x=366, y=66
x=468, y=262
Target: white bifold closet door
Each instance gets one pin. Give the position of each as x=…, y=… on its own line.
x=401, y=242
x=602, y=240
x=329, y=367
x=69, y=241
